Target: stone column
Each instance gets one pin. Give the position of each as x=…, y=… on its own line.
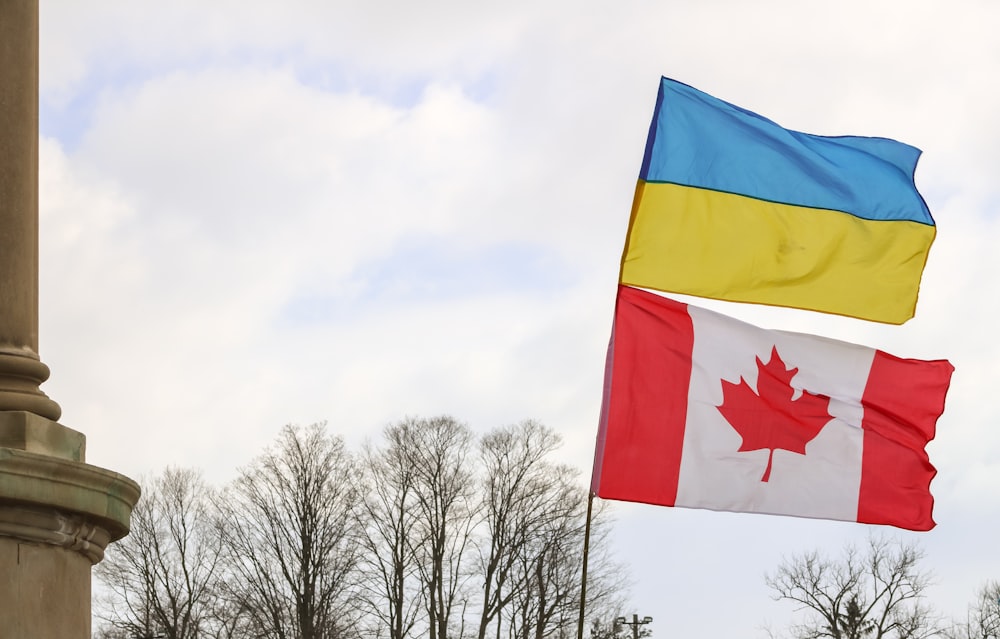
x=57, y=513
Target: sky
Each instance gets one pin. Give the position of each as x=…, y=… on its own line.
x=254, y=214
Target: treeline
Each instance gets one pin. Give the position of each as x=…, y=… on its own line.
x=429, y=532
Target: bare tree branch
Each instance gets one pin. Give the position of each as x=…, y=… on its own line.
x=877, y=594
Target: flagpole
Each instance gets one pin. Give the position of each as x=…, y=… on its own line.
x=586, y=555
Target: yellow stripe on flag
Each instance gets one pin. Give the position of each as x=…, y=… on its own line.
x=707, y=243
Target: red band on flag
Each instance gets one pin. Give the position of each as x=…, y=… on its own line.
x=896, y=471
x=646, y=397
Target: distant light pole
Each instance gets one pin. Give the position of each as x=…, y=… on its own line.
x=635, y=623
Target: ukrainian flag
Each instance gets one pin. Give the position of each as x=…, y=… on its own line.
x=731, y=206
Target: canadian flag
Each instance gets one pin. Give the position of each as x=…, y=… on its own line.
x=704, y=411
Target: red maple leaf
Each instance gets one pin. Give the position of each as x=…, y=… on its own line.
x=770, y=418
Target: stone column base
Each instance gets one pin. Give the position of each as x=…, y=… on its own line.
x=64, y=503
x=57, y=515
x=44, y=591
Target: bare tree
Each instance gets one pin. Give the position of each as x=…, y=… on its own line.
x=444, y=507
x=874, y=594
x=533, y=520
x=516, y=481
x=983, y=620
x=550, y=565
x=392, y=591
x=523, y=516
x=289, y=528
x=161, y=578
